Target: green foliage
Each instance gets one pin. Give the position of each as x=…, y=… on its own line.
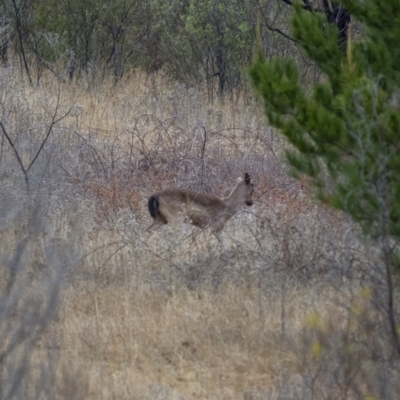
x=223, y=33
x=202, y=40
x=193, y=41
x=86, y=35
x=346, y=130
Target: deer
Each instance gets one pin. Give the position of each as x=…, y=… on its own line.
x=200, y=209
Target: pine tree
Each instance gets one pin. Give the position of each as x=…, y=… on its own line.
x=345, y=130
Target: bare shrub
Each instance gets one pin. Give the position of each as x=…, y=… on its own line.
x=37, y=249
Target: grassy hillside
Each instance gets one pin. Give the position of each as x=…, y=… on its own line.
x=93, y=308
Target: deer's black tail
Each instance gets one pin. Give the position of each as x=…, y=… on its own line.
x=153, y=206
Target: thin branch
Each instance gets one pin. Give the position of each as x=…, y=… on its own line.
x=54, y=121
x=270, y=28
x=288, y=2
x=307, y=6
x=48, y=133
x=204, y=142
x=277, y=30
x=327, y=8
x=203, y=161
x=20, y=37
x=25, y=171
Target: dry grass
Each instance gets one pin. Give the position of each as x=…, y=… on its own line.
x=167, y=316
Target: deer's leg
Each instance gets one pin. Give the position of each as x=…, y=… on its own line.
x=220, y=239
x=155, y=225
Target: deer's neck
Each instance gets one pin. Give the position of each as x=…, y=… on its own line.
x=236, y=198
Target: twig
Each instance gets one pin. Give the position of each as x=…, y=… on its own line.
x=203, y=150
x=25, y=171
x=307, y=6
x=54, y=121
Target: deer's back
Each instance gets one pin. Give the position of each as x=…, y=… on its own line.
x=201, y=208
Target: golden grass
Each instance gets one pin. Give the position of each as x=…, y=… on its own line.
x=197, y=344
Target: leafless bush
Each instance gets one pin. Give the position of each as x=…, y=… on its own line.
x=155, y=154
x=37, y=248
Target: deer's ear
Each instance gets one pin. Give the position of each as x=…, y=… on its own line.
x=247, y=178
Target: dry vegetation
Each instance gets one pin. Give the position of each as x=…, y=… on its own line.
x=92, y=308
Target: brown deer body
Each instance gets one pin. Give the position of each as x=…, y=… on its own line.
x=200, y=209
